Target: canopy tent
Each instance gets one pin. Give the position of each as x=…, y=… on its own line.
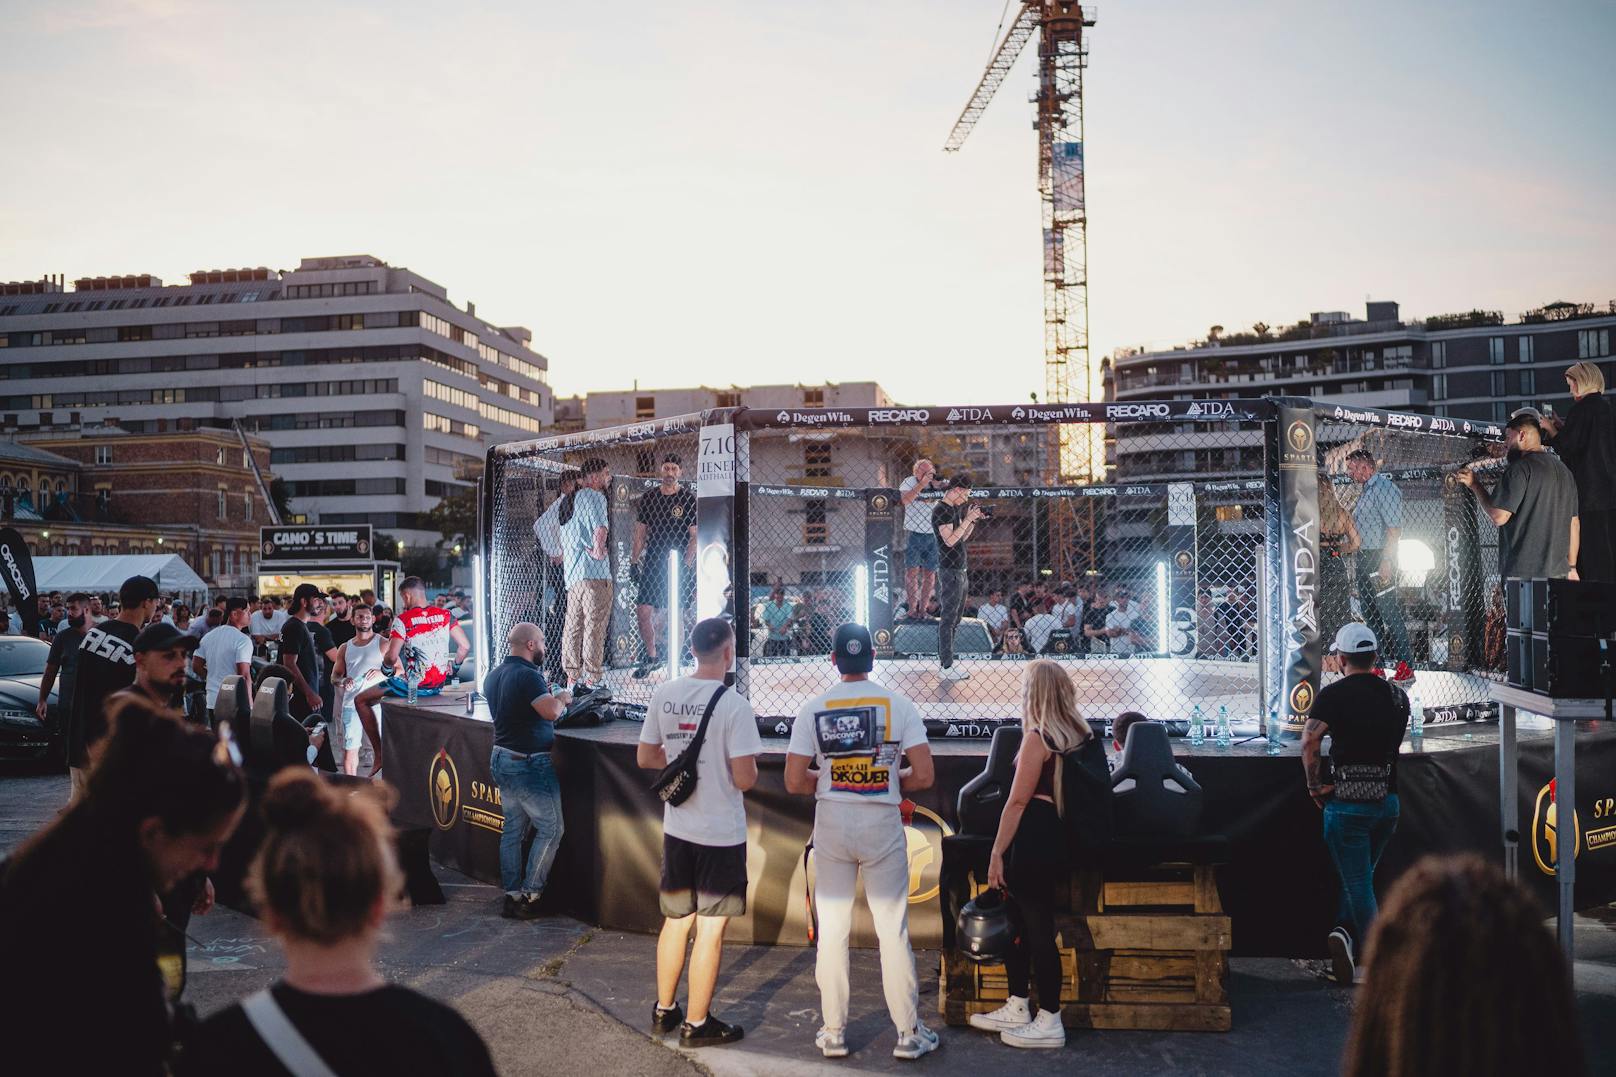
x=106, y=572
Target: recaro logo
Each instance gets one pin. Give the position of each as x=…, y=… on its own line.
x=1411, y=422
x=1137, y=411
x=899, y=415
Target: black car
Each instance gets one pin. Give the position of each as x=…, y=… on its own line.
x=22, y=734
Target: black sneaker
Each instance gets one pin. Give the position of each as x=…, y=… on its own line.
x=510, y=909
x=665, y=1021
x=1342, y=967
x=710, y=1033
x=520, y=908
x=643, y=670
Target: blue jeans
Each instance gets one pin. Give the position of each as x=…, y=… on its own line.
x=1356, y=835
x=1382, y=613
x=530, y=793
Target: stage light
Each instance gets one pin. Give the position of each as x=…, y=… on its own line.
x=1414, y=562
x=861, y=593
x=1161, y=607
x=674, y=635
x=713, y=583
x=479, y=609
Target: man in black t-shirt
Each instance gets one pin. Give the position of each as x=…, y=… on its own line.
x=952, y=521
x=63, y=660
x=340, y=624
x=106, y=664
x=300, y=651
x=665, y=522
x=1365, y=718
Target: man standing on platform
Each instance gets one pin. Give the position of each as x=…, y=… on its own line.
x=920, y=553
x=1534, y=506
x=847, y=749
x=525, y=711
x=588, y=567
x=665, y=523
x=1366, y=718
x=954, y=521
x=1378, y=517
x=703, y=839
x=553, y=580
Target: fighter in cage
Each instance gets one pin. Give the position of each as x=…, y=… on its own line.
x=664, y=546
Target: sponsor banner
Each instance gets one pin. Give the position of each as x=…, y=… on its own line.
x=880, y=527
x=716, y=540
x=650, y=430
x=622, y=630
x=1181, y=539
x=1011, y=414
x=1297, y=646
x=18, y=565
x=818, y=493
x=1403, y=420
x=441, y=772
x=352, y=542
x=1464, y=589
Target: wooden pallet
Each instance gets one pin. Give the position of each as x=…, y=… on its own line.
x=1146, y=950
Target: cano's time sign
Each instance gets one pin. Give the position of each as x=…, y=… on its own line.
x=315, y=543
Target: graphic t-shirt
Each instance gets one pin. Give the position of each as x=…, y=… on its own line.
x=221, y=651
x=949, y=558
x=865, y=727
x=668, y=519
x=426, y=628
x=1367, y=718
x=64, y=655
x=916, y=514
x=714, y=814
x=106, y=665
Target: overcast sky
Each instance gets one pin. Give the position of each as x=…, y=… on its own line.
x=749, y=192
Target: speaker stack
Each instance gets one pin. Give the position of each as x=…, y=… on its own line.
x=1560, y=637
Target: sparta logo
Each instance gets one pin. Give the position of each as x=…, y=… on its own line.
x=443, y=789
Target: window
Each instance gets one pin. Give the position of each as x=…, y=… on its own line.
x=815, y=530
x=729, y=399
x=1526, y=349
x=1500, y=412
x=816, y=460
x=1528, y=380
x=1439, y=386
x=1498, y=383
x=1495, y=351
x=1593, y=343
x=813, y=398
x=645, y=407
x=247, y=508
x=103, y=454
x=222, y=496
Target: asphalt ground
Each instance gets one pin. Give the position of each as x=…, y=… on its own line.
x=556, y=995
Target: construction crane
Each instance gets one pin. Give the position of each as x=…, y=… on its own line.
x=1076, y=452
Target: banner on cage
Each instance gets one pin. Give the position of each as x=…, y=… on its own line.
x=18, y=565
x=1146, y=411
x=880, y=528
x=1463, y=590
x=622, y=633
x=716, y=543
x=1297, y=646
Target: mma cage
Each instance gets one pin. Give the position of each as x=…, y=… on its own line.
x=1209, y=565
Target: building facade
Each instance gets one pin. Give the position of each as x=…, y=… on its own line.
x=375, y=393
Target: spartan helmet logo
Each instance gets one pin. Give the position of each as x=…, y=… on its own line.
x=879, y=502
x=1299, y=436
x=923, y=837
x=678, y=512
x=443, y=789
x=1302, y=698
x=1547, y=832
x=1184, y=559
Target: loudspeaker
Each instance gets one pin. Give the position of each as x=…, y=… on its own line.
x=1518, y=657
x=1571, y=607
x=1572, y=667
x=1518, y=604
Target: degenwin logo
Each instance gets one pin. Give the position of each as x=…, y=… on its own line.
x=443, y=789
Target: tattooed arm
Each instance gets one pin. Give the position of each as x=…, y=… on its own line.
x=1312, y=764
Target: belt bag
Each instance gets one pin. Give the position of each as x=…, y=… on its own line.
x=1358, y=783
x=677, y=781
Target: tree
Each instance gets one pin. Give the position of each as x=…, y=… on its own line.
x=1261, y=329
x=280, y=497
x=456, y=515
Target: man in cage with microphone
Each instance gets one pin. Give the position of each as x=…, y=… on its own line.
x=665, y=523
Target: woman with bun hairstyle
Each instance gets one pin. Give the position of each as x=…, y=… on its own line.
x=324, y=880
x=81, y=928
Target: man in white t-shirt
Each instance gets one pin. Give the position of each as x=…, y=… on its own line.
x=703, y=839
x=995, y=614
x=225, y=652
x=1121, y=625
x=266, y=623
x=1038, y=627
x=553, y=585
x=1068, y=608
x=847, y=749
x=920, y=554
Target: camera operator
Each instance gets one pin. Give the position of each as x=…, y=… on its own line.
x=953, y=522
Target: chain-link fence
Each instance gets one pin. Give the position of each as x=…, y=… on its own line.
x=1407, y=550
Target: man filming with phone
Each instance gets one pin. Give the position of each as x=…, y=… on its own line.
x=953, y=521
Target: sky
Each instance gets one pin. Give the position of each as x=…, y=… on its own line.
x=753, y=191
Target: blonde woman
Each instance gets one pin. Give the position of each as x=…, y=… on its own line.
x=1049, y=806
x=1586, y=443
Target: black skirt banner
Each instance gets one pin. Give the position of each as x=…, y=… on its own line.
x=880, y=530
x=439, y=763
x=1464, y=612
x=18, y=565
x=1296, y=645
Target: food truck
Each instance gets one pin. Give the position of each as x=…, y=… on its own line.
x=341, y=557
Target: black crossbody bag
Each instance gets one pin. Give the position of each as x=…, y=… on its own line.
x=677, y=781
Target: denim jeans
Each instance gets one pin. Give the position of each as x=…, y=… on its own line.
x=1356, y=835
x=530, y=793
x=951, y=585
x=1382, y=613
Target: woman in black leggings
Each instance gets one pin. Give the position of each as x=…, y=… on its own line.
x=1030, y=853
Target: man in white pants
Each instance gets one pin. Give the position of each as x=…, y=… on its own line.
x=847, y=749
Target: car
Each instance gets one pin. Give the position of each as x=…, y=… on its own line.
x=22, y=734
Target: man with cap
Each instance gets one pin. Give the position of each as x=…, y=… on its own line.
x=162, y=651
x=1365, y=718
x=665, y=524
x=1534, y=506
x=848, y=748
x=106, y=665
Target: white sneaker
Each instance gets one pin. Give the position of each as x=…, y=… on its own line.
x=1045, y=1031
x=832, y=1042
x=918, y=1041
x=1013, y=1014
x=955, y=673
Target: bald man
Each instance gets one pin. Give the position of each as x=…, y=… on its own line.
x=525, y=711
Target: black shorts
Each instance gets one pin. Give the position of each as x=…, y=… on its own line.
x=708, y=880
x=653, y=589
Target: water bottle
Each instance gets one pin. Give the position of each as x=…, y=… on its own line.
x=1274, y=738
x=412, y=673
x=1197, y=727
x=1416, y=720
x=1225, y=738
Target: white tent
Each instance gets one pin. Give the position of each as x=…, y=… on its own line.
x=106, y=572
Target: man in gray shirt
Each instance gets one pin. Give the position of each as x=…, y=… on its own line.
x=1534, y=506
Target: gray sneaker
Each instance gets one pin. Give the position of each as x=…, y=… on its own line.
x=918, y=1041
x=832, y=1042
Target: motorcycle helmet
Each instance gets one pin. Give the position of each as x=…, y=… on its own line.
x=988, y=927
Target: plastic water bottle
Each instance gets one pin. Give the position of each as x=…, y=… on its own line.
x=1197, y=726
x=1274, y=733
x=1225, y=738
x=1416, y=720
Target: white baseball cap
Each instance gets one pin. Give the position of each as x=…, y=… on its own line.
x=1355, y=638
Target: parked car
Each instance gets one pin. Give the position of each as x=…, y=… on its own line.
x=22, y=734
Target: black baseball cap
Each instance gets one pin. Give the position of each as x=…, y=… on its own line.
x=137, y=589
x=162, y=636
x=306, y=590
x=854, y=651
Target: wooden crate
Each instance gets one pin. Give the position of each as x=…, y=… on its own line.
x=1139, y=950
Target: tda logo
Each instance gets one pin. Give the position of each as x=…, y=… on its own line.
x=969, y=415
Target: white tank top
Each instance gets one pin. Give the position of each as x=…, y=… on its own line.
x=362, y=660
